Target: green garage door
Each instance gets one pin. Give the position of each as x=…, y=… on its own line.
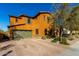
x=22, y=34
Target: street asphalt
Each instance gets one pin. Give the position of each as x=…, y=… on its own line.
x=73, y=50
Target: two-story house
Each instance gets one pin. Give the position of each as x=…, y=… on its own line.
x=26, y=26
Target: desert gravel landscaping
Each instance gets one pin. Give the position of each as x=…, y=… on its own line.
x=32, y=47
x=36, y=47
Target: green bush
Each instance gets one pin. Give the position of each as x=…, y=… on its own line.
x=55, y=39
x=62, y=40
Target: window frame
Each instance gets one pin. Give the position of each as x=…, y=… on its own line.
x=44, y=17
x=48, y=20
x=37, y=31
x=29, y=21
x=16, y=19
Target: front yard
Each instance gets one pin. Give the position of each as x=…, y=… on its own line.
x=34, y=47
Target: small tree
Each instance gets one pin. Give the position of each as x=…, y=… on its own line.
x=72, y=23
x=60, y=17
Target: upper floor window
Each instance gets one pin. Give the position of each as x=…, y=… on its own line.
x=48, y=19
x=16, y=19
x=44, y=17
x=29, y=20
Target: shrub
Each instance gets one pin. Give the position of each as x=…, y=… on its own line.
x=55, y=39
x=64, y=41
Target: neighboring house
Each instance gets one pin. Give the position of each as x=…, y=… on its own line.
x=26, y=26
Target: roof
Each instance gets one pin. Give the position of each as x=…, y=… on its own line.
x=41, y=12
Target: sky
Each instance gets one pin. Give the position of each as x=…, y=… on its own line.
x=16, y=9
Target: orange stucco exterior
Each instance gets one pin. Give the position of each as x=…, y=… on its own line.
x=40, y=22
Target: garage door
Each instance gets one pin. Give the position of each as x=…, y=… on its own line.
x=22, y=34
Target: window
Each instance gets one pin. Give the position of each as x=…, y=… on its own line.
x=45, y=31
x=48, y=19
x=16, y=19
x=37, y=31
x=29, y=21
x=44, y=17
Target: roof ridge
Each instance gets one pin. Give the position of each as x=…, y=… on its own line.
x=31, y=16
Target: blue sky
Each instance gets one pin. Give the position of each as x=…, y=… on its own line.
x=17, y=9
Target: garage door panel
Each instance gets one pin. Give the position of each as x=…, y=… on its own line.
x=22, y=34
